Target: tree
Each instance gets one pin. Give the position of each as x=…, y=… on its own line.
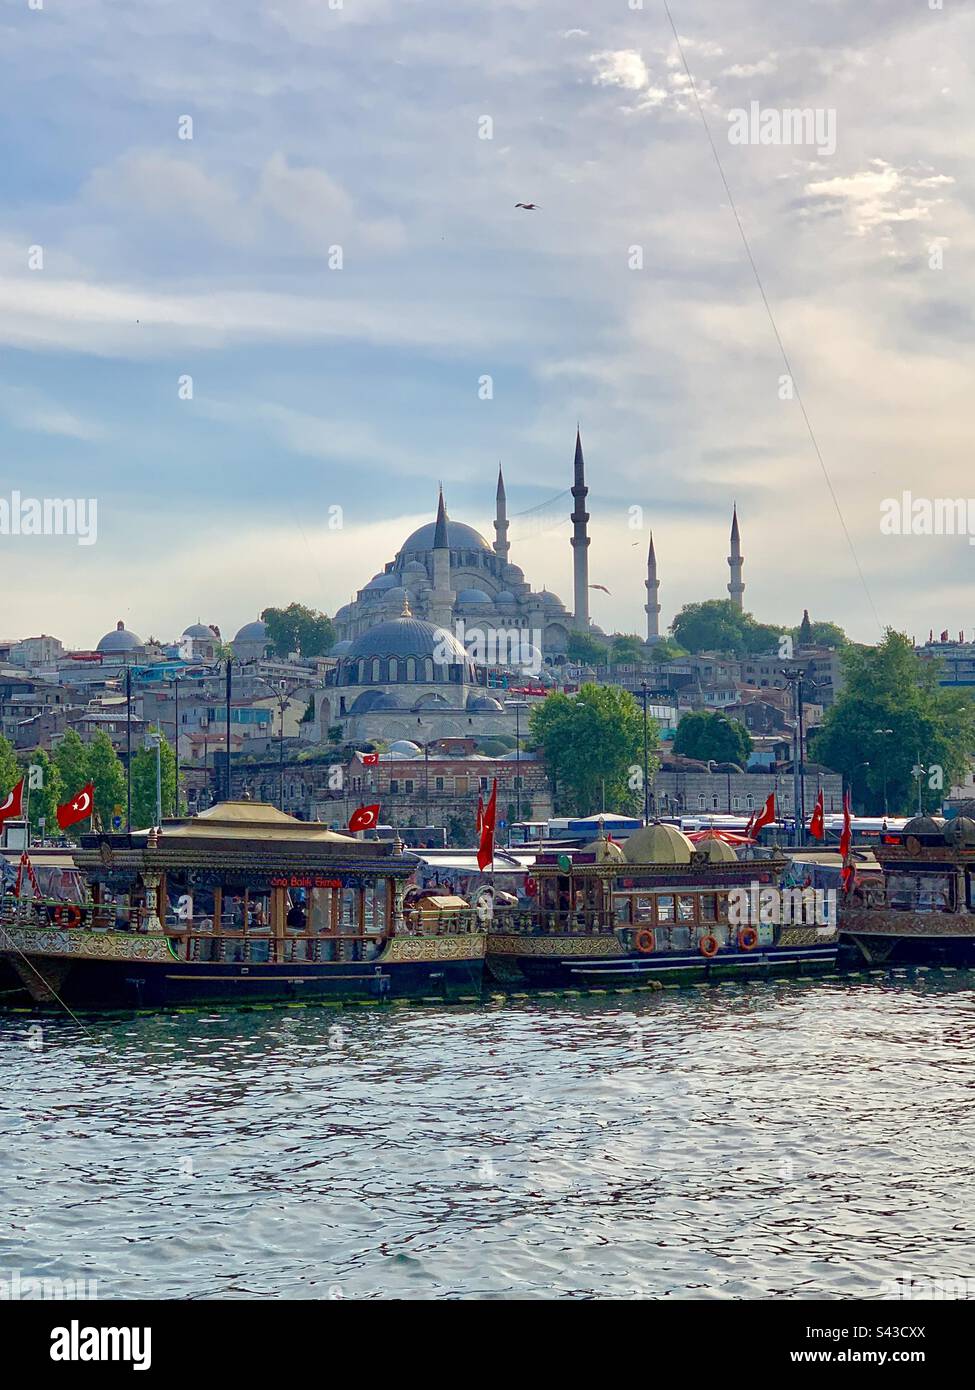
x=105, y=770
x=10, y=773
x=586, y=650
x=717, y=626
x=71, y=760
x=45, y=800
x=628, y=649
x=298, y=629
x=592, y=739
x=887, y=687
x=144, y=785
x=820, y=634
x=709, y=734
x=664, y=650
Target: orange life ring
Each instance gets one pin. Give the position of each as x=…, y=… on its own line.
x=67, y=915
x=708, y=945
x=644, y=941
x=747, y=939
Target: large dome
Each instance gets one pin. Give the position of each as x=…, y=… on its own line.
x=119, y=640
x=201, y=631
x=459, y=537
x=403, y=637
x=252, y=632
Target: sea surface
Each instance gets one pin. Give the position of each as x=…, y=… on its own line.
x=804, y=1140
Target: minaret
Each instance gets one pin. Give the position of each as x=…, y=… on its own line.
x=580, y=541
x=735, y=561
x=501, y=522
x=652, y=607
x=441, y=601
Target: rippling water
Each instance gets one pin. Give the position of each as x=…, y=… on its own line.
x=808, y=1140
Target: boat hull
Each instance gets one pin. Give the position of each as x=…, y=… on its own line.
x=601, y=962
x=111, y=971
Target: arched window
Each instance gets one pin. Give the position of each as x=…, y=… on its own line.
x=375, y=669
x=393, y=669
x=428, y=668
x=411, y=668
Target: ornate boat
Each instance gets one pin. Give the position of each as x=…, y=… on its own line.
x=658, y=908
x=241, y=904
x=923, y=910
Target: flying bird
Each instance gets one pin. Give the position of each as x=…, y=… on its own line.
x=601, y=586
x=529, y=207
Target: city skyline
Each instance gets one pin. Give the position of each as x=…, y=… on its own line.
x=314, y=388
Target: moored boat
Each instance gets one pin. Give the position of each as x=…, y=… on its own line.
x=241, y=904
x=922, y=912
x=659, y=908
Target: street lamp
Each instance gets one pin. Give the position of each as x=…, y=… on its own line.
x=644, y=692
x=517, y=706
x=883, y=761
x=918, y=770
x=283, y=696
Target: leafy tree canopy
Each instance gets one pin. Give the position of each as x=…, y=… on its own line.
x=819, y=634
x=586, y=650
x=144, y=785
x=592, y=739
x=43, y=801
x=298, y=629
x=717, y=626
x=887, y=687
x=709, y=734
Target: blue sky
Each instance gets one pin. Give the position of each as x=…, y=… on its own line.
x=358, y=388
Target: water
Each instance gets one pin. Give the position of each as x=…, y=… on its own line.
x=806, y=1140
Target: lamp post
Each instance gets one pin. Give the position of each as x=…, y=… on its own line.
x=918, y=771
x=883, y=733
x=644, y=692
x=283, y=696
x=518, y=706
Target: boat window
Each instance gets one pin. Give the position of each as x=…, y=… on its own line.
x=232, y=912
x=709, y=907
x=622, y=903
x=920, y=892
x=970, y=890
x=665, y=907
x=258, y=909
x=685, y=907
x=320, y=910
x=350, y=910
x=642, y=909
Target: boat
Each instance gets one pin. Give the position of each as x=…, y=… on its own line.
x=922, y=911
x=52, y=872
x=658, y=910
x=240, y=904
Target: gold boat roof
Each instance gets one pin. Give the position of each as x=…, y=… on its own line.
x=250, y=820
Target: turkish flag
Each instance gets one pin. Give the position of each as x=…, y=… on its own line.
x=13, y=803
x=78, y=808
x=370, y=759
x=817, y=825
x=364, y=818
x=765, y=816
x=847, y=872
x=485, y=852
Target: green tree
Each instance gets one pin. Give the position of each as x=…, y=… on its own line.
x=45, y=800
x=144, y=785
x=71, y=760
x=628, y=649
x=586, y=650
x=298, y=629
x=887, y=687
x=10, y=771
x=717, y=626
x=821, y=634
x=664, y=650
x=105, y=770
x=592, y=739
x=709, y=734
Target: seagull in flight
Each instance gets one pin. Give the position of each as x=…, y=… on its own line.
x=600, y=586
x=529, y=207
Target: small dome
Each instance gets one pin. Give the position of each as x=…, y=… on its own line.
x=924, y=825
x=119, y=640
x=414, y=567
x=252, y=632
x=961, y=832
x=200, y=630
x=340, y=648
x=405, y=747
x=505, y=597
x=552, y=600
x=343, y=614
x=483, y=703
x=717, y=850
x=606, y=851
x=382, y=581
x=658, y=843
x=473, y=596
x=371, y=700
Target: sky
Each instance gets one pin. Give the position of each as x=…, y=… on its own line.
x=260, y=424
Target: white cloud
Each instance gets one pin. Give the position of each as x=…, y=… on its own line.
x=621, y=68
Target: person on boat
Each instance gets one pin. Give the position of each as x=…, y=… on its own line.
x=296, y=916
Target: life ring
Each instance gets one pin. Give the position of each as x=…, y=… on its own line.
x=747, y=939
x=67, y=915
x=644, y=941
x=708, y=945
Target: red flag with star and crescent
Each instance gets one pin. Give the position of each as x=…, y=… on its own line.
x=12, y=805
x=817, y=821
x=485, y=851
x=847, y=873
x=766, y=815
x=78, y=808
x=369, y=759
x=364, y=818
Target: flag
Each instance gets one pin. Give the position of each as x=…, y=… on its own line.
x=485, y=851
x=749, y=827
x=26, y=869
x=370, y=759
x=817, y=826
x=765, y=816
x=480, y=816
x=12, y=805
x=78, y=808
x=364, y=818
x=846, y=873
